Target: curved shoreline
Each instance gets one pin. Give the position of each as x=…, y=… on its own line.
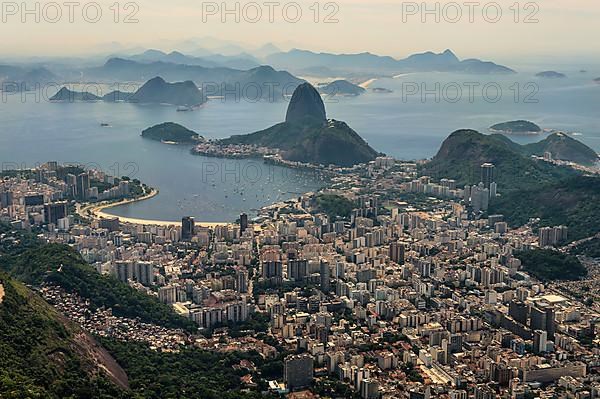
x=97, y=212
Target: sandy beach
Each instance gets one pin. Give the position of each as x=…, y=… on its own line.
x=97, y=212
x=150, y=222
x=366, y=84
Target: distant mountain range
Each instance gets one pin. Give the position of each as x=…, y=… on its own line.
x=206, y=46
x=239, y=74
x=263, y=82
x=154, y=91
x=307, y=135
x=157, y=90
x=17, y=78
x=241, y=61
x=301, y=60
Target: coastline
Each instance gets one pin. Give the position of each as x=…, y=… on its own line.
x=97, y=212
x=365, y=85
x=272, y=158
x=515, y=133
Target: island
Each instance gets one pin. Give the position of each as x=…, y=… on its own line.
x=67, y=95
x=158, y=91
x=117, y=96
x=519, y=127
x=550, y=75
x=381, y=90
x=341, y=88
x=154, y=91
x=172, y=133
x=306, y=137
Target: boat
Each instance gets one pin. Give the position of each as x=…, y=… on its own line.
x=183, y=108
x=104, y=124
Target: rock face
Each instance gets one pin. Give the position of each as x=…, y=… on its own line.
x=307, y=136
x=306, y=103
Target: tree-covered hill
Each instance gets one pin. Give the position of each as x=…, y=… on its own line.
x=333, y=142
x=190, y=373
x=44, y=356
x=464, y=151
x=519, y=126
x=571, y=202
x=170, y=131
x=35, y=263
x=547, y=264
x=528, y=187
x=563, y=147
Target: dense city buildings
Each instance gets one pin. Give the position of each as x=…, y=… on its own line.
x=243, y=223
x=487, y=174
x=551, y=236
x=298, y=371
x=187, y=228
x=403, y=296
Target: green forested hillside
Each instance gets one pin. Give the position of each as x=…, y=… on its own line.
x=563, y=147
x=44, y=356
x=171, y=131
x=547, y=264
x=528, y=188
x=462, y=153
x=191, y=373
x=32, y=262
x=571, y=202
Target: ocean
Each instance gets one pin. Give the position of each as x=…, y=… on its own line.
x=409, y=123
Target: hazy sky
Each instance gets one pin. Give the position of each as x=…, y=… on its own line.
x=391, y=27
